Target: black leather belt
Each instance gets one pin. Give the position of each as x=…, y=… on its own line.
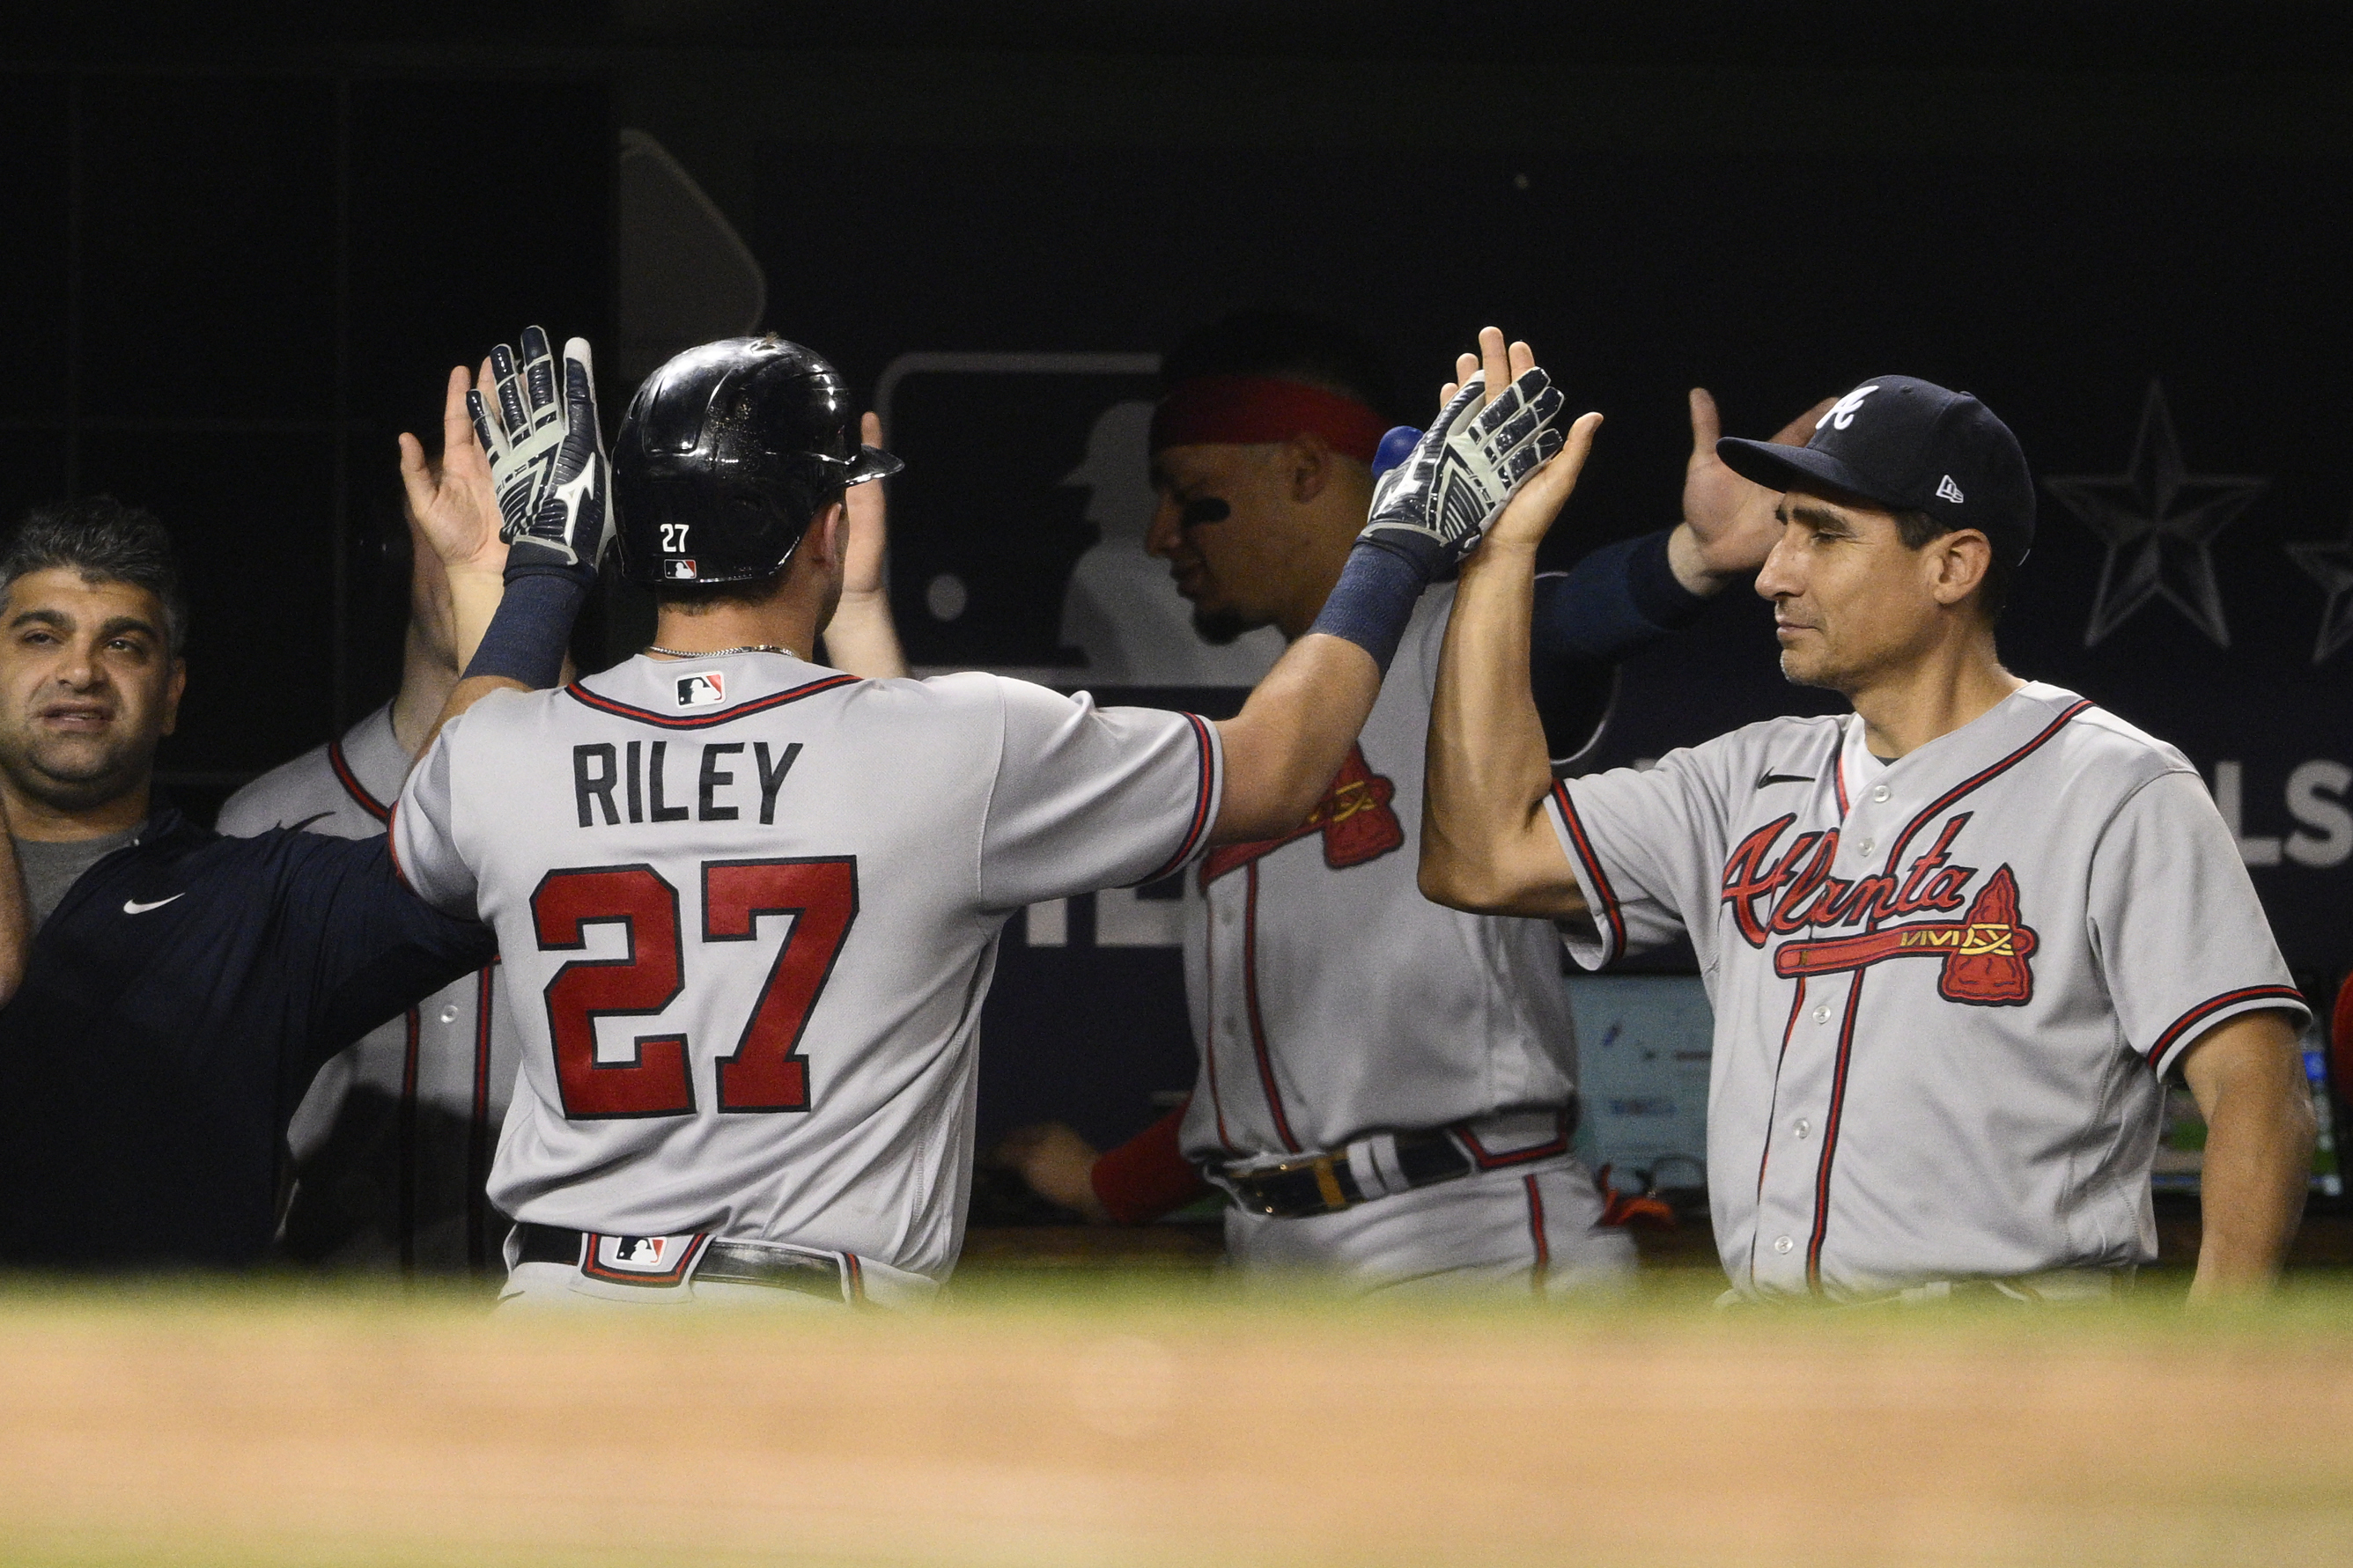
x=1324, y=1184
x=1321, y=1183
x=722, y=1263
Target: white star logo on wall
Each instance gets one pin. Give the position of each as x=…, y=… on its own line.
x=2159, y=523
x=2329, y=562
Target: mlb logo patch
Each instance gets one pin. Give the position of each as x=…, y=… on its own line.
x=679, y=569
x=639, y=1260
x=708, y=690
x=637, y=1254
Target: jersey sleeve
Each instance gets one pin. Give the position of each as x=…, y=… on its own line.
x=1648, y=849
x=2182, y=940
x=1089, y=798
x=368, y=946
x=424, y=840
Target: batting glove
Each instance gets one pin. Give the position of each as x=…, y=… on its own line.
x=548, y=465
x=1435, y=506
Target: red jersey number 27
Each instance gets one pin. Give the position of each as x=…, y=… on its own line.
x=766, y=1071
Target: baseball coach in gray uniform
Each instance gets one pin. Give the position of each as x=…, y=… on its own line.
x=1957, y=939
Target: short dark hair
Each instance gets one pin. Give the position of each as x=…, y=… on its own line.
x=1916, y=529
x=1291, y=345
x=106, y=542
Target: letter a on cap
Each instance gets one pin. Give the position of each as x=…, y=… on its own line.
x=1842, y=414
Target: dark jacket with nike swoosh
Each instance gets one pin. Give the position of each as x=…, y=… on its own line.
x=174, y=1008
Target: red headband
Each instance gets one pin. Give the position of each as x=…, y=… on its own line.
x=1250, y=410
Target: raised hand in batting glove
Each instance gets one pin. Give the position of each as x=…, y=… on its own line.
x=547, y=460
x=1435, y=506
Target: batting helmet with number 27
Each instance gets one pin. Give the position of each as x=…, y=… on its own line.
x=727, y=453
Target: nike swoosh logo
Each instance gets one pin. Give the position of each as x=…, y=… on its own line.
x=1764, y=779
x=132, y=907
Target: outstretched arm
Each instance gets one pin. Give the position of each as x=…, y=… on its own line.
x=1486, y=845
x=535, y=447
x=1428, y=514
x=2248, y=1076
x=456, y=510
x=862, y=637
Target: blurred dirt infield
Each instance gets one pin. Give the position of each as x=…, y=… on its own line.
x=1156, y=1424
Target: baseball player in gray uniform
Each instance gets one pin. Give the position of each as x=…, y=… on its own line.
x=392, y=1145
x=1957, y=940
x=748, y=905
x=1387, y=1087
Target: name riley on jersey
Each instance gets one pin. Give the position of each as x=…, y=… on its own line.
x=639, y=771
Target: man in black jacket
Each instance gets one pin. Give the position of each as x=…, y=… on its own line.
x=179, y=989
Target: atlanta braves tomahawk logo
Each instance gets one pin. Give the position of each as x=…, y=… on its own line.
x=1355, y=817
x=1774, y=892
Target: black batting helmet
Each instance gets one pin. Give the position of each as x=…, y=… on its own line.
x=727, y=455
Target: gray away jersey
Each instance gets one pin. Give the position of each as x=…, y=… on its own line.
x=747, y=911
x=392, y=1145
x=1330, y=999
x=1948, y=989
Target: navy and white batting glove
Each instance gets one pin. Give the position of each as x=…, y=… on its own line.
x=1435, y=507
x=554, y=482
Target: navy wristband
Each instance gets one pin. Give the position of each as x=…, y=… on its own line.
x=527, y=637
x=1650, y=578
x=1373, y=600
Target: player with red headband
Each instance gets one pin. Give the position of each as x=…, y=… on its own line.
x=1387, y=1087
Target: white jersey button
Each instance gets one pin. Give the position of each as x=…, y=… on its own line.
x=1879, y=792
x=1782, y=1243
x=1867, y=846
x=449, y=1013
x=1802, y=1128
x=1822, y=1013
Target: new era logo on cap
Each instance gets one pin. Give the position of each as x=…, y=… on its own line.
x=1948, y=490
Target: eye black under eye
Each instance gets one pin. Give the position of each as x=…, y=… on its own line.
x=1208, y=509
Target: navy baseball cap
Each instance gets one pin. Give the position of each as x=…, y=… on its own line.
x=1909, y=446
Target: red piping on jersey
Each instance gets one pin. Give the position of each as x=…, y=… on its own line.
x=477, y=1129
x=855, y=1274
x=1830, y=1136
x=1937, y=807
x=581, y=694
x=1257, y=1028
x=1487, y=1162
x=1837, y=774
x=1200, y=803
x=1536, y=1233
x=1846, y=1031
x=1210, y=1046
x=1773, y=1117
x=392, y=847
x=406, y=1130
x=1592, y=869
x=2213, y=1004
x=351, y=783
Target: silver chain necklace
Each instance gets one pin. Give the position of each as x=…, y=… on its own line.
x=723, y=652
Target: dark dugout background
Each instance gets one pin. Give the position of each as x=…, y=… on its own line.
x=236, y=262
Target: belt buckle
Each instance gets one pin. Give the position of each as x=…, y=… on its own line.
x=644, y=1260
x=1323, y=1167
